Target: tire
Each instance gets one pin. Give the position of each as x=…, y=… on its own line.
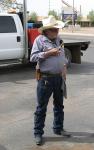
x=68, y=56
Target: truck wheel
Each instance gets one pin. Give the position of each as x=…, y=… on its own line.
x=68, y=56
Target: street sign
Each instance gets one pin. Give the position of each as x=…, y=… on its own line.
x=69, y=16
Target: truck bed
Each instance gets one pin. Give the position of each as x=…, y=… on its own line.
x=75, y=42
x=83, y=44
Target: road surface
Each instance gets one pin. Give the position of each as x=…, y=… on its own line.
x=18, y=101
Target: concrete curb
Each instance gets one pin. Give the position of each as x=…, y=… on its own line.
x=80, y=34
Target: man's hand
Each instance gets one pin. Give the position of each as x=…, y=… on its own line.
x=52, y=52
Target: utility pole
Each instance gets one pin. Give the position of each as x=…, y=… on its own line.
x=25, y=29
x=80, y=10
x=73, y=15
x=49, y=5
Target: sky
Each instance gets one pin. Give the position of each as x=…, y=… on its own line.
x=41, y=7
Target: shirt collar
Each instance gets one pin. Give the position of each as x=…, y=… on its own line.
x=46, y=39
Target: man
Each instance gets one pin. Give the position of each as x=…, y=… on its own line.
x=51, y=63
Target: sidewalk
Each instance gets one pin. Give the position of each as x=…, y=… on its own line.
x=87, y=31
x=63, y=147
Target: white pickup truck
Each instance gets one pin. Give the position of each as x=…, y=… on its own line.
x=12, y=45
x=11, y=38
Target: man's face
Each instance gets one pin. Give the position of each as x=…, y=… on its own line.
x=52, y=33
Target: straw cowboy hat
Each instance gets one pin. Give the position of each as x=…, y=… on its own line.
x=51, y=22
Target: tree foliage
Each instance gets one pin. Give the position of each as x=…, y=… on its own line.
x=91, y=16
x=79, y=18
x=53, y=13
x=33, y=17
x=7, y=4
x=8, y=1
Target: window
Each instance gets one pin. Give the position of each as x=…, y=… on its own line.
x=7, y=24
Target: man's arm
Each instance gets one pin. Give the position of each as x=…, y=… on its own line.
x=37, y=54
x=52, y=52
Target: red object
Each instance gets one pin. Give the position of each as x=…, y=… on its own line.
x=32, y=34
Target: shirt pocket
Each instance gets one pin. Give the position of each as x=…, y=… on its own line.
x=47, y=46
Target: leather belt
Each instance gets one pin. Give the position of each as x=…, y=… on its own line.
x=46, y=74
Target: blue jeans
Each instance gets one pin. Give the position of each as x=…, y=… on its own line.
x=46, y=86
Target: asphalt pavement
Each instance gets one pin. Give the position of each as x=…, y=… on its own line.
x=18, y=101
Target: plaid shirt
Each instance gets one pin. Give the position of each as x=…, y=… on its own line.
x=52, y=64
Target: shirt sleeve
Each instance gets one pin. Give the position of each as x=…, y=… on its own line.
x=37, y=53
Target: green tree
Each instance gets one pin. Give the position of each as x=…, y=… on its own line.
x=33, y=17
x=8, y=1
x=79, y=17
x=7, y=4
x=91, y=17
x=53, y=13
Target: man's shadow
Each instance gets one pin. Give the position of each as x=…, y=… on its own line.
x=76, y=137
x=2, y=147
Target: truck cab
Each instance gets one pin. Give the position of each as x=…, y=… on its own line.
x=11, y=37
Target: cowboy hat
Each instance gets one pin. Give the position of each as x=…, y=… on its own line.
x=51, y=22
